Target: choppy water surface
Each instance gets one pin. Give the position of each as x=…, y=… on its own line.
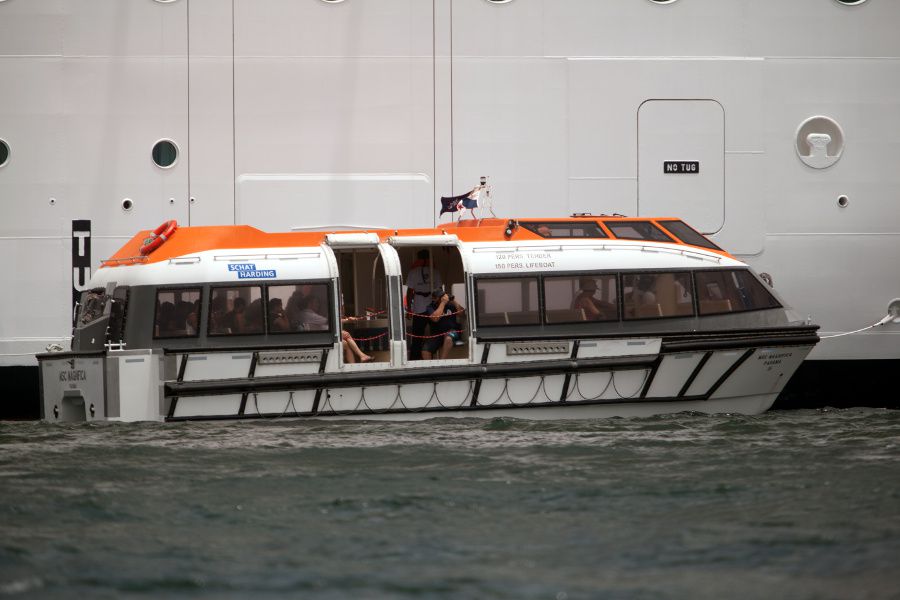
x=790, y=504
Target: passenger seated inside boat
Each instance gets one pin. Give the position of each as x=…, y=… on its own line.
x=352, y=352
x=445, y=329
x=236, y=319
x=278, y=320
x=218, y=311
x=594, y=309
x=310, y=317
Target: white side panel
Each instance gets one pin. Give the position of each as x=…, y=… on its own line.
x=307, y=201
x=208, y=406
x=679, y=135
x=712, y=371
x=275, y=370
x=139, y=388
x=218, y=365
x=766, y=371
x=673, y=373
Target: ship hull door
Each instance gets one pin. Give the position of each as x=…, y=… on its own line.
x=681, y=161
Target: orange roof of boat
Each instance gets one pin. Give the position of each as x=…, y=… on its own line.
x=189, y=240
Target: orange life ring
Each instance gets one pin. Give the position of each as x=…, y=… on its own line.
x=159, y=235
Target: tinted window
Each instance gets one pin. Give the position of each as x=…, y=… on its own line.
x=575, y=298
x=575, y=229
x=731, y=291
x=507, y=301
x=299, y=307
x=657, y=295
x=688, y=234
x=177, y=313
x=637, y=230
x=235, y=310
x=93, y=302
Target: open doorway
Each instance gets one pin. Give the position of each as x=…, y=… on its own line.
x=363, y=309
x=434, y=295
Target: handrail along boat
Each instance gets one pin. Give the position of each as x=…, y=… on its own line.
x=586, y=316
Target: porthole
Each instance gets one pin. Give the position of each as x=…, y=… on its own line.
x=499, y=1
x=4, y=153
x=820, y=142
x=166, y=1
x=165, y=153
x=662, y=1
x=332, y=1
x=850, y=2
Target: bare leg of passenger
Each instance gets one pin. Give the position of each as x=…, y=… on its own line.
x=352, y=350
x=446, y=345
x=426, y=355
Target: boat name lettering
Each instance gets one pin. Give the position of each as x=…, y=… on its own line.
x=249, y=271
x=772, y=360
x=74, y=375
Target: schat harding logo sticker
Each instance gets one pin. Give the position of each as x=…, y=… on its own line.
x=249, y=271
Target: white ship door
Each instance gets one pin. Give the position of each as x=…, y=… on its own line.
x=681, y=161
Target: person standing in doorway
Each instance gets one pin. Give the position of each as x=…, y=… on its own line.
x=420, y=281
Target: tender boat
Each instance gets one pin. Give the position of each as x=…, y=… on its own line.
x=580, y=317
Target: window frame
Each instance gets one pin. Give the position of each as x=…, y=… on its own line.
x=693, y=287
x=495, y=276
x=332, y=313
x=778, y=304
x=578, y=274
x=157, y=305
x=533, y=227
x=225, y=285
x=611, y=224
x=709, y=243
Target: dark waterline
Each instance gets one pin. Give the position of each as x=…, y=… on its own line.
x=789, y=504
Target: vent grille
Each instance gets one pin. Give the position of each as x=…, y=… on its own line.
x=289, y=357
x=519, y=348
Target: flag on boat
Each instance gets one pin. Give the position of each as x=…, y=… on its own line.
x=469, y=200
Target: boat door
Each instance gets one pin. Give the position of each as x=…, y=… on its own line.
x=368, y=298
x=429, y=263
x=681, y=161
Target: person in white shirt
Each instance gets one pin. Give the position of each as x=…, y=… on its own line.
x=420, y=281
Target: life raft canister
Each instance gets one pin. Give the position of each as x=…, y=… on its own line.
x=159, y=236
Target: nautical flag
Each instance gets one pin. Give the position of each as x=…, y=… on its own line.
x=469, y=200
x=453, y=203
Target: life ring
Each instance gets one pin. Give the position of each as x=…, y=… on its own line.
x=159, y=235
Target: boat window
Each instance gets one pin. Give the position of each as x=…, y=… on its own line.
x=299, y=307
x=657, y=295
x=637, y=230
x=571, y=229
x=507, y=301
x=583, y=297
x=722, y=291
x=117, y=314
x=236, y=310
x=4, y=153
x=688, y=234
x=177, y=313
x=92, y=304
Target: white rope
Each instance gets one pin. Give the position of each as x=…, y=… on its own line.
x=886, y=319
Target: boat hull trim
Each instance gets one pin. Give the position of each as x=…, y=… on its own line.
x=595, y=378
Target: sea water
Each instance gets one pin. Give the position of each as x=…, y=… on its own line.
x=788, y=504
